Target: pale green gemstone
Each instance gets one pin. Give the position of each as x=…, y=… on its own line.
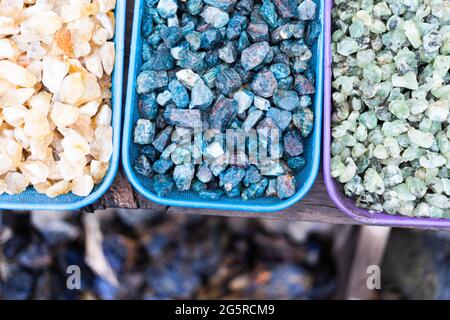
x=436, y=213
x=442, y=92
x=373, y=182
x=369, y=119
x=358, y=150
x=412, y=153
x=363, y=16
x=394, y=128
x=365, y=57
x=409, y=81
x=381, y=10
x=393, y=206
x=354, y=187
x=446, y=186
x=438, y=200
x=337, y=167
x=380, y=152
x=421, y=139
x=377, y=27
x=349, y=171
x=356, y=104
x=356, y=29
x=347, y=46
x=416, y=186
x=412, y=33
x=361, y=133
x=393, y=175
x=443, y=141
x=392, y=147
x=422, y=210
x=441, y=65
x=436, y=185
x=372, y=73
x=432, y=160
x=403, y=192
x=349, y=140
x=418, y=106
x=387, y=70
x=439, y=110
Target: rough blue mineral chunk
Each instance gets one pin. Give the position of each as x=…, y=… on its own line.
x=280, y=70
x=149, y=152
x=162, y=139
x=281, y=117
x=264, y=84
x=180, y=95
x=243, y=42
x=255, y=190
x=286, y=8
x=293, y=143
x=209, y=77
x=294, y=48
x=231, y=178
x=252, y=176
x=313, y=32
x=286, y=186
x=210, y=38
x=148, y=81
x=296, y=163
x=269, y=13
x=163, y=185
x=228, y=53
x=307, y=10
x=192, y=60
x=143, y=166
x=211, y=194
x=148, y=107
x=237, y=24
x=171, y=36
x=254, y=55
x=204, y=174
x=144, y=132
x=162, y=165
x=194, y=39
x=167, y=8
x=159, y=60
x=198, y=186
x=287, y=100
x=222, y=114
x=201, y=96
x=281, y=33
x=303, y=85
x=227, y=5
x=286, y=83
x=235, y=192
x=304, y=121
x=183, y=175
x=183, y=118
x=228, y=81
x=245, y=6
x=212, y=59
x=258, y=32
x=147, y=26
x=194, y=6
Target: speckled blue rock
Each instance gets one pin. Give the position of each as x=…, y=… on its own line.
x=313, y=32
x=180, y=95
x=192, y=60
x=294, y=48
x=201, y=96
x=148, y=107
x=163, y=185
x=231, y=178
x=293, y=143
x=304, y=121
x=148, y=81
x=210, y=38
x=245, y=6
x=222, y=114
x=280, y=70
x=243, y=42
x=147, y=27
x=175, y=51
x=144, y=132
x=287, y=100
x=286, y=186
x=151, y=3
x=198, y=186
x=286, y=83
x=194, y=6
x=238, y=23
x=210, y=76
x=264, y=84
x=254, y=55
x=281, y=117
x=252, y=119
x=227, y=5
x=143, y=166
x=183, y=118
x=258, y=32
x=296, y=163
x=252, y=175
x=286, y=8
x=171, y=36
x=162, y=165
x=255, y=190
x=228, y=81
x=307, y=10
x=183, y=175
x=234, y=193
x=164, y=98
x=204, y=174
x=149, y=152
x=303, y=85
x=228, y=53
x=269, y=13
x=162, y=139
x=213, y=195
x=167, y=8
x=194, y=40
x=281, y=33
x=300, y=66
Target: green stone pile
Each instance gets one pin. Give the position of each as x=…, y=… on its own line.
x=391, y=98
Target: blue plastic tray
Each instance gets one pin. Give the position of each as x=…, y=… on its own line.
x=30, y=199
x=305, y=178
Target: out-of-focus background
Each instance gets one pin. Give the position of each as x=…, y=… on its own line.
x=125, y=254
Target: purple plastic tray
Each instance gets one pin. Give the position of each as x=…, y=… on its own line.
x=345, y=204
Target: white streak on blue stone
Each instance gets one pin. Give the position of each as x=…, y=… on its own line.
x=201, y=95
x=244, y=100
x=167, y=8
x=215, y=17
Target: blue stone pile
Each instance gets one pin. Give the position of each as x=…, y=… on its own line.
x=218, y=65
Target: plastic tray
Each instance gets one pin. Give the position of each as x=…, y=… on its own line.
x=305, y=178
x=30, y=199
x=345, y=204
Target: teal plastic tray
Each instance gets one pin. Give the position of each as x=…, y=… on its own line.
x=30, y=199
x=305, y=178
